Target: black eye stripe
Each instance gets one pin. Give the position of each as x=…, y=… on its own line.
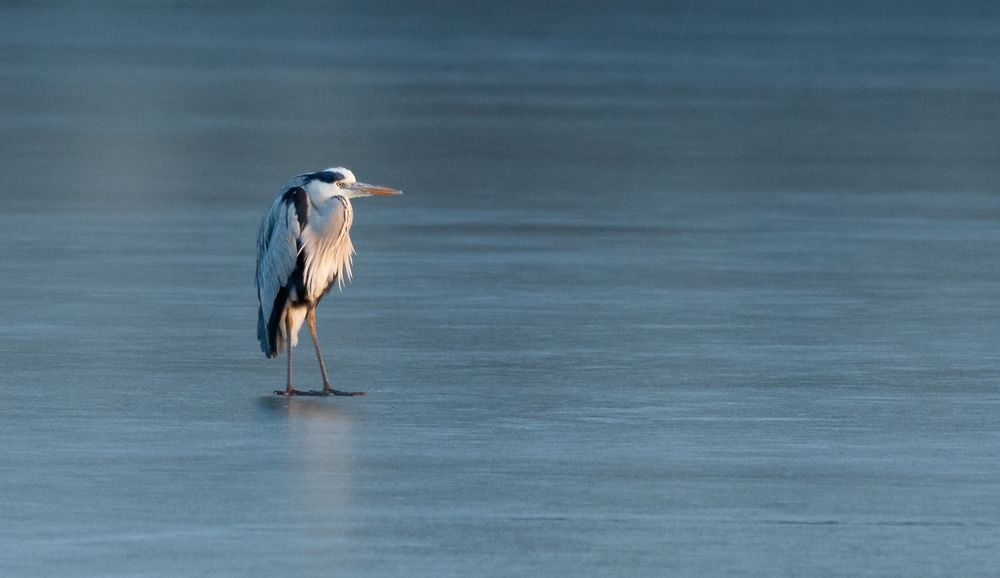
x=325, y=176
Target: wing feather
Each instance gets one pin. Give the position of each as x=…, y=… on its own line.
x=277, y=251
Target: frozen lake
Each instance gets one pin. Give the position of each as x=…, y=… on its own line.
x=716, y=294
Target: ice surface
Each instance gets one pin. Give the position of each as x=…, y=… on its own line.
x=715, y=294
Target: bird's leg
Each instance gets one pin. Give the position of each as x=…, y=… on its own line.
x=327, y=388
x=289, y=390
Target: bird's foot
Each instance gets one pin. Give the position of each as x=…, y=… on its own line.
x=327, y=390
x=290, y=392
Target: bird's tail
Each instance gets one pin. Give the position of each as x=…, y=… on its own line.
x=272, y=334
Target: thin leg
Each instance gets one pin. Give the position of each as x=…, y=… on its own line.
x=289, y=390
x=327, y=388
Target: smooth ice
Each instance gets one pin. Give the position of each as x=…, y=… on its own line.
x=701, y=297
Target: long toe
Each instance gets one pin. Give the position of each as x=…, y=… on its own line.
x=331, y=391
x=299, y=392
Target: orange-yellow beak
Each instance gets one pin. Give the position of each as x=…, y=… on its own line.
x=366, y=189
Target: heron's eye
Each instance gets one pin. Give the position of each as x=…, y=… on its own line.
x=339, y=184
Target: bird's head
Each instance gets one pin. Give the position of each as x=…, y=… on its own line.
x=340, y=182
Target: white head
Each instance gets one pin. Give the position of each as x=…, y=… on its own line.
x=323, y=185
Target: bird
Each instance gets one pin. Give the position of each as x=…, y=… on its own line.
x=303, y=249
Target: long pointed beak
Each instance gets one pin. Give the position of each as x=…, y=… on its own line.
x=366, y=189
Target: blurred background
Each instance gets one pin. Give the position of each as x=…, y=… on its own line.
x=684, y=288
x=149, y=104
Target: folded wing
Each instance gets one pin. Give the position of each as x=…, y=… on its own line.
x=278, y=241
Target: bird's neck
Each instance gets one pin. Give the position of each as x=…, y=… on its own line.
x=332, y=203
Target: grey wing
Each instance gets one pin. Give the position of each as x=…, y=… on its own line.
x=277, y=253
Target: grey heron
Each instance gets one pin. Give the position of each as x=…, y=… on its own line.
x=303, y=249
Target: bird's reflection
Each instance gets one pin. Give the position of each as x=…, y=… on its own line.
x=319, y=460
x=301, y=407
